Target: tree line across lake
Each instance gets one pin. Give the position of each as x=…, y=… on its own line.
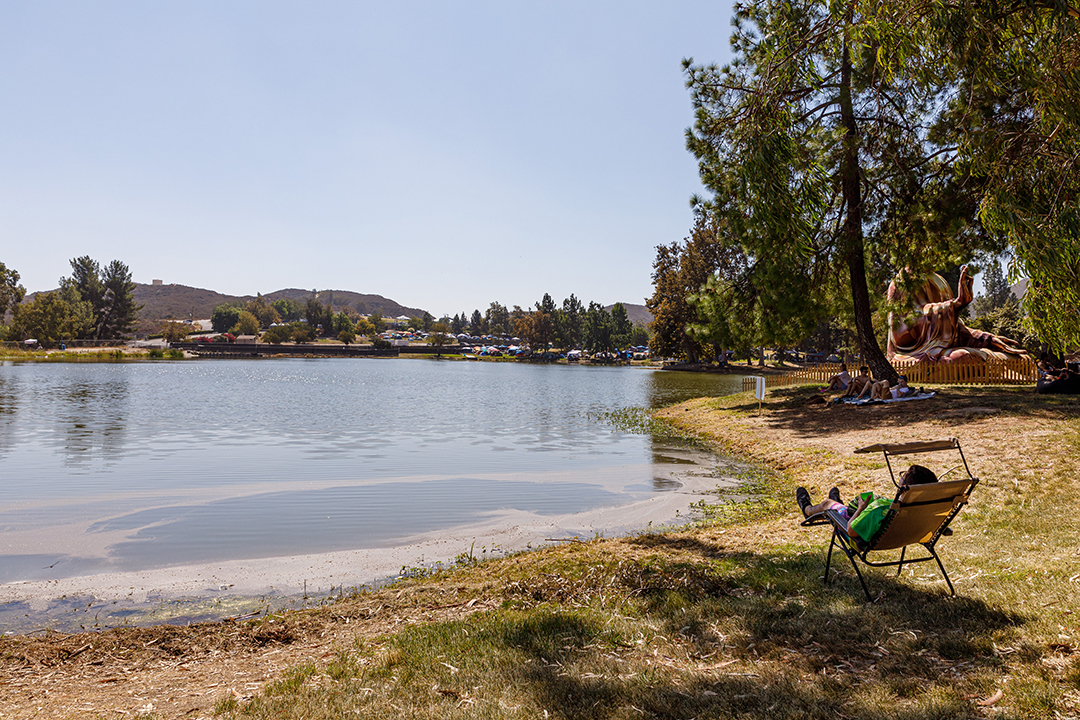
x=95, y=303
x=571, y=325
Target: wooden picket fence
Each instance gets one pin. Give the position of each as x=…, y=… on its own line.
x=968, y=371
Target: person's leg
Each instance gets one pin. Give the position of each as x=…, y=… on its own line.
x=881, y=391
x=867, y=388
x=828, y=504
x=805, y=504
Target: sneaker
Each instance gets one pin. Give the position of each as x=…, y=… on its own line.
x=834, y=495
x=803, y=498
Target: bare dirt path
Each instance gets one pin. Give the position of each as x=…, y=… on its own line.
x=183, y=672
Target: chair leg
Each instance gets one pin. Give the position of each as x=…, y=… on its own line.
x=901, y=565
x=952, y=590
x=844, y=548
x=828, y=558
x=861, y=580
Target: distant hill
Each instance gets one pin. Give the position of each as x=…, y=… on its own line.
x=638, y=314
x=180, y=302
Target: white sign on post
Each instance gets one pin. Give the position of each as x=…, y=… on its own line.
x=759, y=390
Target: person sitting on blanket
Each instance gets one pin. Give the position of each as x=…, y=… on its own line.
x=839, y=381
x=881, y=390
x=1047, y=371
x=859, y=382
x=870, y=389
x=863, y=521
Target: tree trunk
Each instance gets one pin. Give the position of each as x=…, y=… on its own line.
x=851, y=234
x=690, y=349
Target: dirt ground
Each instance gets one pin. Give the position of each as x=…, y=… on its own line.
x=183, y=672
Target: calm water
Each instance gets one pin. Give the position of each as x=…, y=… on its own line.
x=138, y=465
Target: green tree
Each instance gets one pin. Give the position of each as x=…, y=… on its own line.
x=598, y=329
x=290, y=311
x=173, y=331
x=996, y=291
x=1015, y=118
x=814, y=147
x=547, y=305
x=997, y=310
x=224, y=318
x=246, y=324
x=620, y=326
x=346, y=336
x=343, y=323
x=278, y=334
x=570, y=323
x=536, y=328
x=377, y=322
x=680, y=271
x=477, y=326
x=263, y=311
x=302, y=332
x=110, y=293
x=53, y=317
x=439, y=336
x=497, y=319
x=11, y=292
x=318, y=316
x=362, y=327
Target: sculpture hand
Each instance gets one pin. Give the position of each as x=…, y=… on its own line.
x=964, y=294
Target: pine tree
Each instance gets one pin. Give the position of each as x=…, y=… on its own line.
x=109, y=293
x=815, y=147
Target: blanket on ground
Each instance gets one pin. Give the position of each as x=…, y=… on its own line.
x=868, y=401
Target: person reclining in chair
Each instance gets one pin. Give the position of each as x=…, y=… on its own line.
x=864, y=521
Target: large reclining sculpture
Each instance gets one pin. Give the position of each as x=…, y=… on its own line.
x=932, y=329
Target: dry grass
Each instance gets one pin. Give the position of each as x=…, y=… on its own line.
x=728, y=619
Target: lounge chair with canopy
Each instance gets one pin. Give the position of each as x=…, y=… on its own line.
x=921, y=518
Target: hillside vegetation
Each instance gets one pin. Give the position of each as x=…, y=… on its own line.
x=180, y=302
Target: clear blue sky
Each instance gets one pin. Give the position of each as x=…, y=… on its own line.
x=443, y=154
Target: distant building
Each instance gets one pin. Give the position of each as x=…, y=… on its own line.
x=155, y=282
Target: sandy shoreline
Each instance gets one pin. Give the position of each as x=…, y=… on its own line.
x=316, y=574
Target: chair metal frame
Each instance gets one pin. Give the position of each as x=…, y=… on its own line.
x=953, y=494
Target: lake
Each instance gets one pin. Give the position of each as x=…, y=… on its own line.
x=124, y=467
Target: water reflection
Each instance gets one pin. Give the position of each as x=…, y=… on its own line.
x=91, y=419
x=8, y=412
x=668, y=387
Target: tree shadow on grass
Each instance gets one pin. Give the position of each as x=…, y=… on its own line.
x=757, y=635
x=568, y=685
x=909, y=633
x=804, y=412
